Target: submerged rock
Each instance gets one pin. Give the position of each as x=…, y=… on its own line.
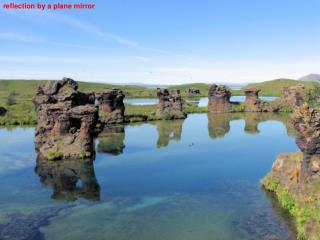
x=219, y=99
x=70, y=179
x=170, y=104
x=66, y=120
x=3, y=111
x=111, y=106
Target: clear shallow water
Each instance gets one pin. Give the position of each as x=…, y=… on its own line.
x=191, y=179
x=202, y=102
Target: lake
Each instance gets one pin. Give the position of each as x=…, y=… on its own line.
x=171, y=180
x=202, y=102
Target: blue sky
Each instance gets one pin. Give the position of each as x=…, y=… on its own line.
x=163, y=42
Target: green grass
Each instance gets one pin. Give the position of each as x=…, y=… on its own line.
x=274, y=87
x=21, y=110
x=302, y=211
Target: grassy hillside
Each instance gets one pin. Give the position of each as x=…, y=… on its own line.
x=274, y=87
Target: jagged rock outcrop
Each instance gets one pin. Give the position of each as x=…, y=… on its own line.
x=66, y=120
x=111, y=140
x=111, y=106
x=3, y=111
x=253, y=103
x=63, y=176
x=194, y=91
x=294, y=177
x=170, y=104
x=219, y=99
x=307, y=122
x=291, y=96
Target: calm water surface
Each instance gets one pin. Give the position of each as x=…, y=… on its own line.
x=192, y=179
x=202, y=102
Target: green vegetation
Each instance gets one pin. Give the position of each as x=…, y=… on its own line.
x=274, y=87
x=304, y=209
x=54, y=154
x=16, y=96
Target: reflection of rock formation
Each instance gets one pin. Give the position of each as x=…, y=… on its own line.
x=111, y=106
x=219, y=99
x=168, y=131
x=3, y=111
x=251, y=123
x=111, y=140
x=66, y=120
x=253, y=103
x=219, y=124
x=170, y=104
x=69, y=179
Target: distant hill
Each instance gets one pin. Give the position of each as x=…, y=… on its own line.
x=311, y=77
x=274, y=87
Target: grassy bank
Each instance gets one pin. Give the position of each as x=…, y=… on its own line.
x=300, y=199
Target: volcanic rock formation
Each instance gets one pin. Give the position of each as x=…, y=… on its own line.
x=253, y=103
x=66, y=120
x=111, y=106
x=219, y=99
x=307, y=122
x=170, y=104
x=291, y=96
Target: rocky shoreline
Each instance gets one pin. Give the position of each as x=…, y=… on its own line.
x=295, y=177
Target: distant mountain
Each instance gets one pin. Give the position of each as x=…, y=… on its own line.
x=311, y=77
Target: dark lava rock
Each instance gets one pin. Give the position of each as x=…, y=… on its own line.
x=253, y=103
x=66, y=120
x=292, y=96
x=170, y=104
x=111, y=106
x=306, y=120
x=219, y=99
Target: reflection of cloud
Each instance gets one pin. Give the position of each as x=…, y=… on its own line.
x=20, y=37
x=12, y=162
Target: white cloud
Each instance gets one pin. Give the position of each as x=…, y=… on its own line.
x=166, y=70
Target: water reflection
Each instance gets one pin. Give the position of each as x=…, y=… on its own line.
x=219, y=124
x=111, y=140
x=69, y=179
x=168, y=131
